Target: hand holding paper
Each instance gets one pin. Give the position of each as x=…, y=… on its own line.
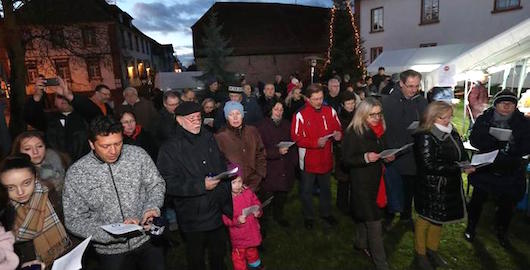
x=121, y=228
x=72, y=259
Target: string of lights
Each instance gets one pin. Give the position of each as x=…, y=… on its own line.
x=357, y=39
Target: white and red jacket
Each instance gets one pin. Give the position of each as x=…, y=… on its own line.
x=308, y=125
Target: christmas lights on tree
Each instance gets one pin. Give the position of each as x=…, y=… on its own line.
x=344, y=54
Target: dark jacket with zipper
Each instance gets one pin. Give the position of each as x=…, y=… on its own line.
x=184, y=161
x=399, y=113
x=439, y=195
x=507, y=174
x=365, y=177
x=98, y=193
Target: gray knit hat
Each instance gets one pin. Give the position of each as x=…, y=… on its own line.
x=233, y=105
x=505, y=95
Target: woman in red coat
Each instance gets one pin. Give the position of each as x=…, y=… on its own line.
x=281, y=161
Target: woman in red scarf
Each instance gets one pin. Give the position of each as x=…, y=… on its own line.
x=134, y=134
x=363, y=140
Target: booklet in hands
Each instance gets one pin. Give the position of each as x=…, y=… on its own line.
x=501, y=134
x=227, y=174
x=72, y=259
x=480, y=160
x=121, y=228
x=389, y=152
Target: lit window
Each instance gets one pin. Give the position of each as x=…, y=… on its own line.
x=377, y=20
x=430, y=11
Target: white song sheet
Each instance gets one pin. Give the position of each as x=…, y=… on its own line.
x=72, y=259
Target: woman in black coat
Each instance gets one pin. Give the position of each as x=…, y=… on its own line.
x=281, y=161
x=363, y=140
x=505, y=178
x=439, y=196
x=134, y=134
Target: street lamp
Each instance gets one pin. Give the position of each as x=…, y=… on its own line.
x=313, y=63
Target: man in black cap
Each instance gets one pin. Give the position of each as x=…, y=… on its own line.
x=503, y=180
x=253, y=114
x=186, y=162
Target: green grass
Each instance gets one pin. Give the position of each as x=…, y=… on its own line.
x=327, y=249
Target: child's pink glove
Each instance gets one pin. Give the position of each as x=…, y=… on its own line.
x=242, y=219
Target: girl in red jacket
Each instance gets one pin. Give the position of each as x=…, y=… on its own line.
x=244, y=227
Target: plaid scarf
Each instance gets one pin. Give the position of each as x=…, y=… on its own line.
x=36, y=220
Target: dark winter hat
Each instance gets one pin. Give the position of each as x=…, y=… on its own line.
x=210, y=80
x=505, y=95
x=187, y=107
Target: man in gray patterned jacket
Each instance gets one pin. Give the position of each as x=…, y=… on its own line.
x=114, y=183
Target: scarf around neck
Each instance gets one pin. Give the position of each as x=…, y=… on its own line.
x=444, y=129
x=37, y=221
x=378, y=129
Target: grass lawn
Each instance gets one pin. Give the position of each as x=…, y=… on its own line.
x=325, y=248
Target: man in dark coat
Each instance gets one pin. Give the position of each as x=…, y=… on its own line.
x=333, y=97
x=143, y=109
x=505, y=178
x=166, y=125
x=66, y=129
x=267, y=98
x=402, y=107
x=186, y=162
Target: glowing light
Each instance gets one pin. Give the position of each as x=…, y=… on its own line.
x=357, y=39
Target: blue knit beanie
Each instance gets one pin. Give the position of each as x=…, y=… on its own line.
x=233, y=105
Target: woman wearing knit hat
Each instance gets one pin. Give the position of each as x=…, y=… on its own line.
x=242, y=144
x=503, y=180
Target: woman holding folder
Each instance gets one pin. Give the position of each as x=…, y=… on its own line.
x=439, y=195
x=363, y=140
x=281, y=158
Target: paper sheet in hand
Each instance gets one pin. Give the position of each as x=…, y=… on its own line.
x=285, y=144
x=388, y=152
x=72, y=259
x=227, y=174
x=414, y=125
x=250, y=210
x=500, y=133
x=480, y=160
x=207, y=121
x=121, y=228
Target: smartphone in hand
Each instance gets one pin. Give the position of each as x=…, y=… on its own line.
x=51, y=82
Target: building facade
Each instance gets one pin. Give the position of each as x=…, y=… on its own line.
x=87, y=42
x=391, y=25
x=267, y=38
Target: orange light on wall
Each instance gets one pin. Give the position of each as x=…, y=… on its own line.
x=130, y=71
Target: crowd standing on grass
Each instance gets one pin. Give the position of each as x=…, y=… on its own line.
x=211, y=161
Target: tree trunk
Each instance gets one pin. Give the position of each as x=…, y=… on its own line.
x=16, y=52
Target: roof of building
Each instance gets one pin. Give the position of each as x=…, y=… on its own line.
x=65, y=11
x=268, y=28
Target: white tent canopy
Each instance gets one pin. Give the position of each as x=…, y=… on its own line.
x=167, y=81
x=420, y=59
x=507, y=50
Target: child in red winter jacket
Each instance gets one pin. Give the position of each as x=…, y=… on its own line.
x=244, y=227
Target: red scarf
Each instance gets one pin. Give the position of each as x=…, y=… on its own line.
x=381, y=199
x=136, y=132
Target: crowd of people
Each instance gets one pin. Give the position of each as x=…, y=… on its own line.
x=85, y=164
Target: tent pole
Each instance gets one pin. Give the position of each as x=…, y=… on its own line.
x=465, y=107
x=505, y=77
x=489, y=85
x=522, y=76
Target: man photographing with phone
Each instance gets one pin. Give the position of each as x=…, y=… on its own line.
x=65, y=128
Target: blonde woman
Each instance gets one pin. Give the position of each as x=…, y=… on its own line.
x=439, y=196
x=364, y=139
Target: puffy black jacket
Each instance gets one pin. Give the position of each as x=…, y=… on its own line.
x=184, y=161
x=439, y=194
x=507, y=174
